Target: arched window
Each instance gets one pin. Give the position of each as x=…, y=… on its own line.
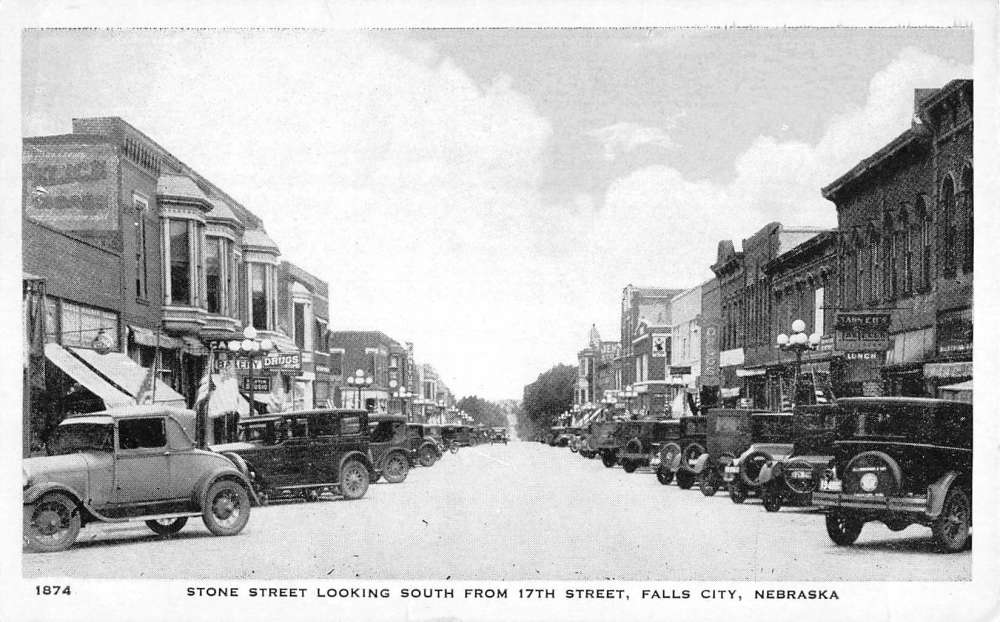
x=967, y=254
x=948, y=225
x=904, y=237
x=926, y=216
x=888, y=276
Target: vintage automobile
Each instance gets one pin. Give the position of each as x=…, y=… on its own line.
x=136, y=463
x=645, y=437
x=607, y=442
x=499, y=435
x=792, y=480
x=456, y=435
x=433, y=431
x=586, y=443
x=901, y=461
x=389, y=447
x=424, y=448
x=563, y=436
x=305, y=453
x=677, y=458
x=738, y=442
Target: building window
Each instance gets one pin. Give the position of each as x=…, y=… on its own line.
x=180, y=262
x=888, y=288
x=818, y=310
x=260, y=294
x=948, y=225
x=859, y=282
x=216, y=278
x=79, y=325
x=141, y=271
x=907, y=261
x=299, y=324
x=967, y=254
x=926, y=241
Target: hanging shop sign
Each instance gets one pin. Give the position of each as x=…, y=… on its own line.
x=680, y=370
x=861, y=330
x=260, y=384
x=659, y=346
x=283, y=361
x=954, y=333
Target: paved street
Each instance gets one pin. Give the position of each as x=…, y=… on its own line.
x=522, y=511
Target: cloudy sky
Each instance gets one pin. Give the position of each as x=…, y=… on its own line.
x=486, y=194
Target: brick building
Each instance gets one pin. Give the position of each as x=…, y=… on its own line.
x=595, y=365
x=304, y=314
x=710, y=380
x=645, y=346
x=684, y=369
x=745, y=307
x=140, y=249
x=370, y=351
x=906, y=247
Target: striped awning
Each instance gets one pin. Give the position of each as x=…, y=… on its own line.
x=86, y=377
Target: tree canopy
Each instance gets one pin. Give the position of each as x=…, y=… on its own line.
x=546, y=398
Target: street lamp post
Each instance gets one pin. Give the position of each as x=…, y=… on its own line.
x=250, y=346
x=360, y=380
x=798, y=343
x=403, y=394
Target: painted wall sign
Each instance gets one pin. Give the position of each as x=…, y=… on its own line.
x=71, y=187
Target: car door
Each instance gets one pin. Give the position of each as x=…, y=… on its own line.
x=142, y=470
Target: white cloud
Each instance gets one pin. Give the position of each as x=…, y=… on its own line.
x=621, y=138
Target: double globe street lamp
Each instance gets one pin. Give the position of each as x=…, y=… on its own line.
x=798, y=343
x=360, y=380
x=250, y=347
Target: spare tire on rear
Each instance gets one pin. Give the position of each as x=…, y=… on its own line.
x=750, y=467
x=669, y=454
x=692, y=451
x=872, y=472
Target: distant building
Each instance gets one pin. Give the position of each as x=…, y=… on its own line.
x=645, y=347
x=368, y=351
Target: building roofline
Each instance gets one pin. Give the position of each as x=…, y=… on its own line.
x=827, y=236
x=874, y=162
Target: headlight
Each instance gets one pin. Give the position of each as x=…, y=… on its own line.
x=869, y=482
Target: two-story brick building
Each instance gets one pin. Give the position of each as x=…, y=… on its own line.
x=906, y=247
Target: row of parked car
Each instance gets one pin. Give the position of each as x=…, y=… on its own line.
x=901, y=461
x=152, y=464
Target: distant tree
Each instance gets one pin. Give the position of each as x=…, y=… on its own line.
x=546, y=398
x=483, y=412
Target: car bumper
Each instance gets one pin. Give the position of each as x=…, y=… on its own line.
x=917, y=505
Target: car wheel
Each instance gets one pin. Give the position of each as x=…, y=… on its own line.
x=427, y=457
x=353, y=480
x=227, y=508
x=707, y=484
x=664, y=475
x=737, y=494
x=685, y=480
x=772, y=501
x=396, y=468
x=843, y=529
x=897, y=524
x=608, y=459
x=167, y=526
x=454, y=448
x=310, y=495
x=51, y=523
x=629, y=465
x=951, y=529
x=573, y=447
x=263, y=498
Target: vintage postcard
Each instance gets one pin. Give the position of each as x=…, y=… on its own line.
x=365, y=311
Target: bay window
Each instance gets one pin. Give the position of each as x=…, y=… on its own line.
x=180, y=262
x=259, y=294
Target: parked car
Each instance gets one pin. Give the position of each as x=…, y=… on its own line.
x=306, y=453
x=901, y=461
x=434, y=432
x=456, y=436
x=607, y=441
x=792, y=480
x=389, y=447
x=499, y=435
x=678, y=458
x=587, y=444
x=729, y=436
x=424, y=448
x=562, y=435
x=138, y=463
x=645, y=437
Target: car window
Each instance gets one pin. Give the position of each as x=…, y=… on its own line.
x=350, y=425
x=141, y=433
x=382, y=432
x=324, y=426
x=726, y=424
x=73, y=437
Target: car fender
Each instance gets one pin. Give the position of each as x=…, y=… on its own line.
x=359, y=456
x=700, y=463
x=937, y=491
x=200, y=492
x=35, y=492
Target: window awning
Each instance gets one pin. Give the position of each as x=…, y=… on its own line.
x=948, y=370
x=79, y=372
x=128, y=374
x=147, y=337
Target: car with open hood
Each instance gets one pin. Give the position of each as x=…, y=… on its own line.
x=135, y=463
x=901, y=461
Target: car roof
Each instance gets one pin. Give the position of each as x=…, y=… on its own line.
x=135, y=410
x=925, y=402
x=377, y=417
x=332, y=412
